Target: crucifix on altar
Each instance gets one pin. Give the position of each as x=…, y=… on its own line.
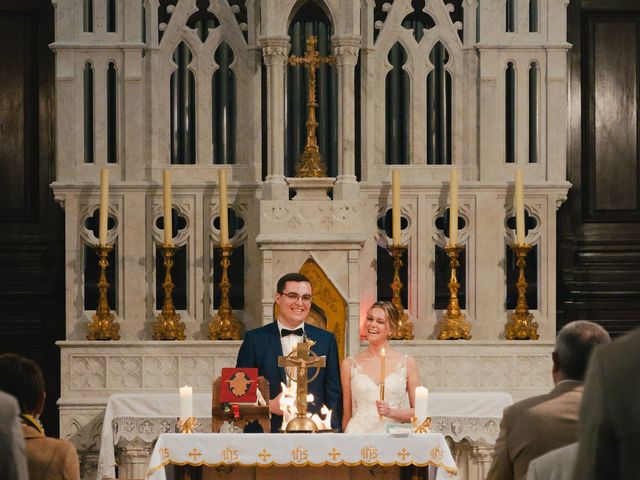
x=301, y=359
x=310, y=164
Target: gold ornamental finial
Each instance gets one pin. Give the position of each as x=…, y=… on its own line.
x=310, y=164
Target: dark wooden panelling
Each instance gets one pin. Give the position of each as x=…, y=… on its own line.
x=599, y=225
x=612, y=110
x=31, y=225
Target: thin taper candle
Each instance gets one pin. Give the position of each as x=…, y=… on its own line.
x=453, y=208
x=224, y=202
x=104, y=206
x=383, y=355
x=168, y=220
x=395, y=206
x=519, y=194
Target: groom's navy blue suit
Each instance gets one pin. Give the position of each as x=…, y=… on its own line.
x=262, y=347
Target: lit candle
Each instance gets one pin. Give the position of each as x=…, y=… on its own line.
x=383, y=355
x=453, y=208
x=395, y=206
x=168, y=220
x=421, y=403
x=519, y=194
x=224, y=214
x=104, y=206
x=186, y=403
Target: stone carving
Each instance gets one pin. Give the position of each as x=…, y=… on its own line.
x=87, y=372
x=495, y=372
x=161, y=372
x=533, y=372
x=125, y=373
x=197, y=371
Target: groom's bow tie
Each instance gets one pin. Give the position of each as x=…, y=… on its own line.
x=285, y=332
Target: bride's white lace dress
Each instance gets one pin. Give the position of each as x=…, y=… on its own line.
x=364, y=393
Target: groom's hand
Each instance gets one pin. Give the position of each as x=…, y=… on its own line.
x=274, y=405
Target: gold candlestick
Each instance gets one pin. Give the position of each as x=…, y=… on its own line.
x=454, y=326
x=224, y=325
x=405, y=326
x=188, y=426
x=521, y=326
x=420, y=427
x=169, y=325
x=102, y=325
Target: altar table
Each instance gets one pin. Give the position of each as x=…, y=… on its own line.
x=133, y=421
x=302, y=450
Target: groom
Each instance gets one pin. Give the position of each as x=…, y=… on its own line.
x=262, y=347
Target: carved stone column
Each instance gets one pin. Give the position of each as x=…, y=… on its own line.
x=275, y=51
x=346, y=52
x=480, y=461
x=132, y=458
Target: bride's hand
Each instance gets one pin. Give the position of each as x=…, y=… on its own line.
x=383, y=408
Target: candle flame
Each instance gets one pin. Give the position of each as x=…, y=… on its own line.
x=290, y=411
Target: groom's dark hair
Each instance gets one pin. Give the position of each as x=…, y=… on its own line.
x=290, y=277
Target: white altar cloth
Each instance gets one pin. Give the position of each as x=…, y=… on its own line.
x=472, y=415
x=314, y=450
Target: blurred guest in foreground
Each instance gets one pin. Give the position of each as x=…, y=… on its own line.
x=13, y=460
x=537, y=425
x=48, y=458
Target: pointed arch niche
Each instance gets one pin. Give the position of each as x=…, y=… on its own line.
x=331, y=262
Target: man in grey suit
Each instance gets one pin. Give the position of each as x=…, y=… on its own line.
x=610, y=413
x=13, y=459
x=536, y=425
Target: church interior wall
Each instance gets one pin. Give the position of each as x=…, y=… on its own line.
x=280, y=233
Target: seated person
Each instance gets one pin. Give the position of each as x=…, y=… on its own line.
x=360, y=375
x=13, y=460
x=47, y=458
x=537, y=425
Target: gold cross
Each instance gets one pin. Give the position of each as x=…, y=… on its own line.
x=264, y=455
x=301, y=358
x=310, y=165
x=195, y=453
x=334, y=454
x=404, y=453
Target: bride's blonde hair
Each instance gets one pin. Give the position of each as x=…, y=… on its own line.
x=391, y=314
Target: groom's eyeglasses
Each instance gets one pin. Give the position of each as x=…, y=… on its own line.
x=295, y=298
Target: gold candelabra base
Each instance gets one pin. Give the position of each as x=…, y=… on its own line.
x=404, y=331
x=423, y=427
x=521, y=326
x=169, y=325
x=454, y=326
x=103, y=325
x=188, y=426
x=225, y=326
x=301, y=424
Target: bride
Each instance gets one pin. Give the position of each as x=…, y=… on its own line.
x=360, y=376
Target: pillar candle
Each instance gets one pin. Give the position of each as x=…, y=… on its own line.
x=224, y=214
x=168, y=219
x=421, y=403
x=453, y=208
x=519, y=194
x=186, y=403
x=104, y=206
x=395, y=206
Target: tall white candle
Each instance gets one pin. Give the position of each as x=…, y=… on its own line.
x=168, y=220
x=395, y=206
x=186, y=403
x=453, y=208
x=519, y=194
x=104, y=206
x=224, y=202
x=421, y=403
